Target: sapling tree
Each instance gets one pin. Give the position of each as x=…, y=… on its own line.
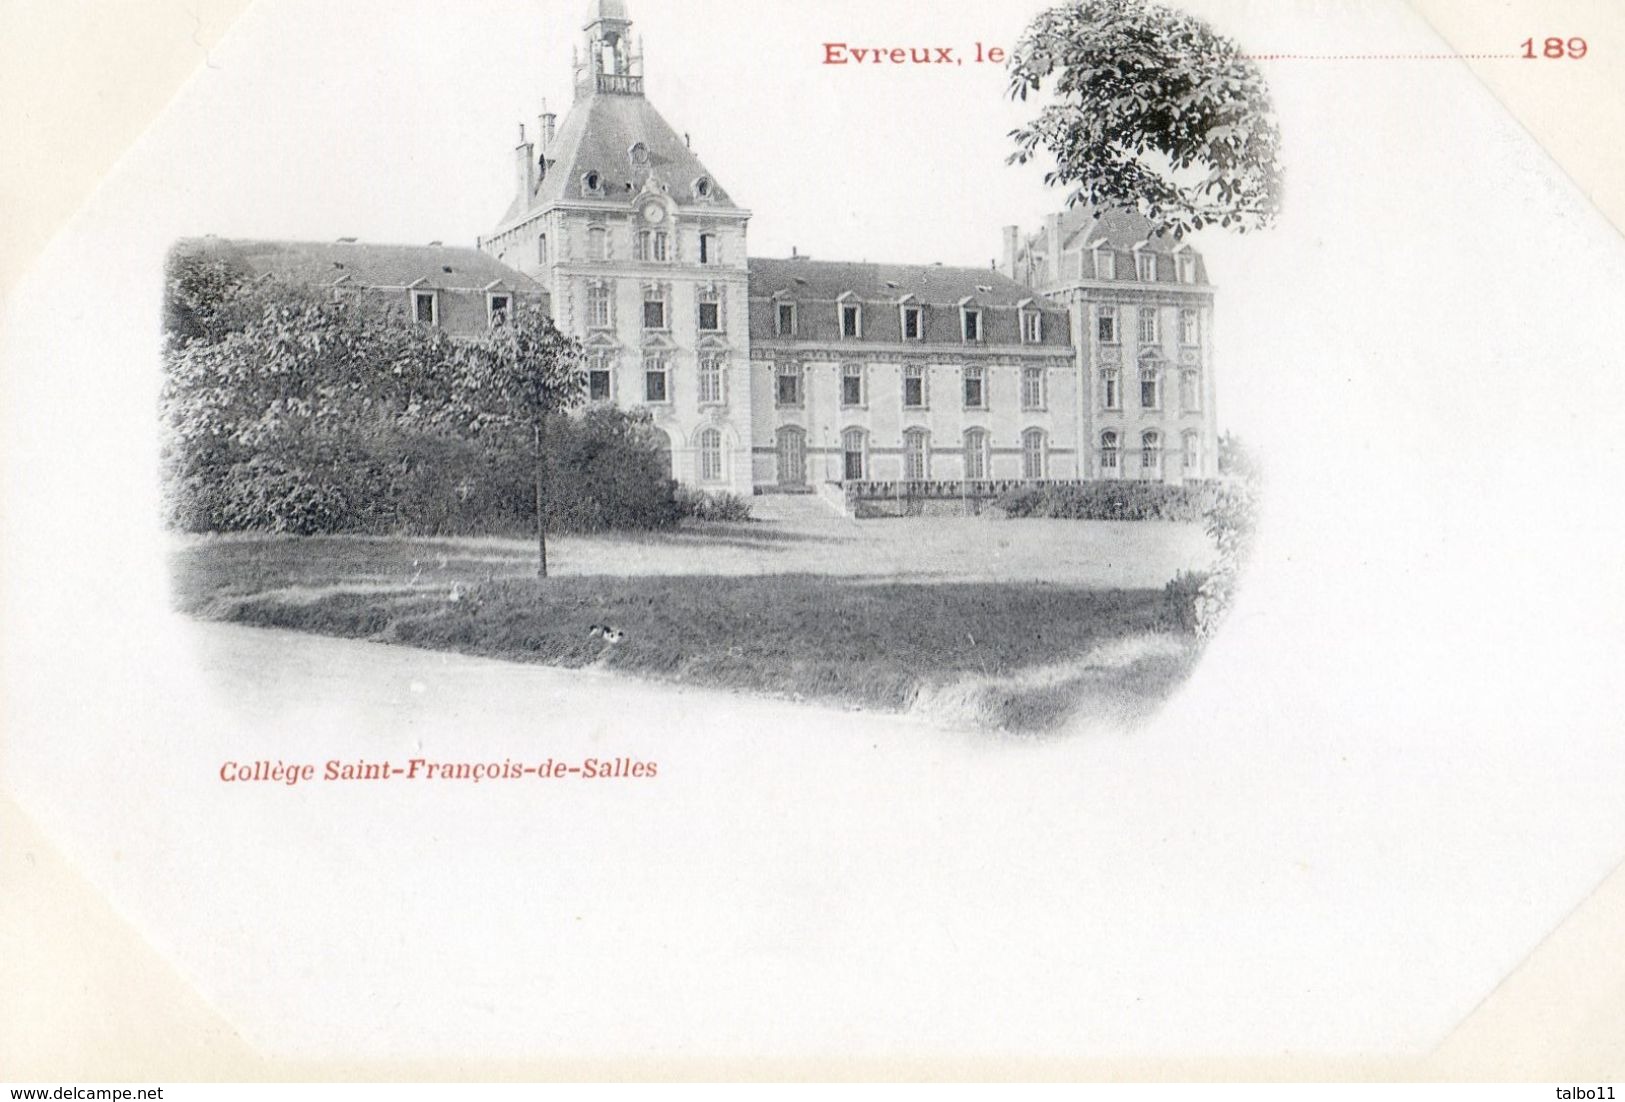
x=510, y=380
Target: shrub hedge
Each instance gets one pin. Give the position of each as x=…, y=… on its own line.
x=1113, y=501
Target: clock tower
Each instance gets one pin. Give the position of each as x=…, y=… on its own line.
x=643, y=253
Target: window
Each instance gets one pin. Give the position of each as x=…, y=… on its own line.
x=914, y=386
x=913, y=323
x=1192, y=449
x=710, y=319
x=1187, y=268
x=976, y=388
x=598, y=306
x=852, y=454
x=1190, y=389
x=654, y=309
x=1148, y=325
x=1150, y=380
x=1145, y=267
x=498, y=308
x=702, y=187
x=1187, y=327
x=916, y=455
x=642, y=245
x=1106, y=325
x=972, y=324
x=1111, y=394
x=711, y=380
x=592, y=182
x=788, y=392
x=976, y=455
x=1150, y=451
x=660, y=245
x=598, y=379
x=1108, y=451
x=851, y=320
x=424, y=307
x=851, y=384
x=1032, y=454
x=785, y=320
x=710, y=445
x=708, y=249
x=656, y=379
x=1032, y=387
x=597, y=243
x=1032, y=327
x=541, y=249
x=1105, y=264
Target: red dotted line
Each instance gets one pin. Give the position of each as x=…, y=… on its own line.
x=1378, y=57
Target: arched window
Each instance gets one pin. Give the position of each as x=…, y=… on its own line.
x=662, y=444
x=1108, y=451
x=1192, y=448
x=1150, y=451
x=710, y=447
x=1150, y=385
x=976, y=455
x=916, y=455
x=1033, y=454
x=854, y=448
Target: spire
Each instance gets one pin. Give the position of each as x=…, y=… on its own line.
x=611, y=65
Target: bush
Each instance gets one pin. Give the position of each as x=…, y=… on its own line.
x=1112, y=501
x=1180, y=600
x=699, y=505
x=1231, y=521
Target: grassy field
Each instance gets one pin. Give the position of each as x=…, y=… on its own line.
x=1006, y=624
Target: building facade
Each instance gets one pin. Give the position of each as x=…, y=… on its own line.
x=1085, y=354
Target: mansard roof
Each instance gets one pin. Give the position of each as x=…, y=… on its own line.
x=1116, y=227
x=597, y=136
x=361, y=263
x=931, y=284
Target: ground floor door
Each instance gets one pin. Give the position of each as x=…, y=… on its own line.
x=792, y=449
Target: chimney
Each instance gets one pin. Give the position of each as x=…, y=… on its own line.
x=1012, y=243
x=1052, y=230
x=546, y=124
x=524, y=165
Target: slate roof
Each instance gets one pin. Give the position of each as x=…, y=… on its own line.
x=597, y=135
x=1122, y=229
x=931, y=284
x=366, y=264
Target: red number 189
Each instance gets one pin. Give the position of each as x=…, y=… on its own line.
x=1556, y=47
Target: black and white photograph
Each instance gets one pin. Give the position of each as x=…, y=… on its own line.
x=613, y=540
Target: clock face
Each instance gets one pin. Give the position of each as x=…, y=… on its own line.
x=654, y=212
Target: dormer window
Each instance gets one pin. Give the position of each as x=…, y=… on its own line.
x=1032, y=327
x=592, y=183
x=702, y=188
x=426, y=307
x=497, y=307
x=913, y=321
x=970, y=318
x=1145, y=267
x=851, y=320
x=1187, y=268
x=1105, y=264
x=784, y=320
x=638, y=154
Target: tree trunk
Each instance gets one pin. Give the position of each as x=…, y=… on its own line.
x=541, y=502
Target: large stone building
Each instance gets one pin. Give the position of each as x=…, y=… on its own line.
x=1084, y=355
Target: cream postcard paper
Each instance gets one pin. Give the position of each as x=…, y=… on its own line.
x=1393, y=772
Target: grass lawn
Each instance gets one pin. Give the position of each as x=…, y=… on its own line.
x=993, y=623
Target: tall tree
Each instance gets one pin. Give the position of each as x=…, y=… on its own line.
x=1152, y=110
x=511, y=379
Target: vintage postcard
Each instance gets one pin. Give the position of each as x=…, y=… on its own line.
x=556, y=539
